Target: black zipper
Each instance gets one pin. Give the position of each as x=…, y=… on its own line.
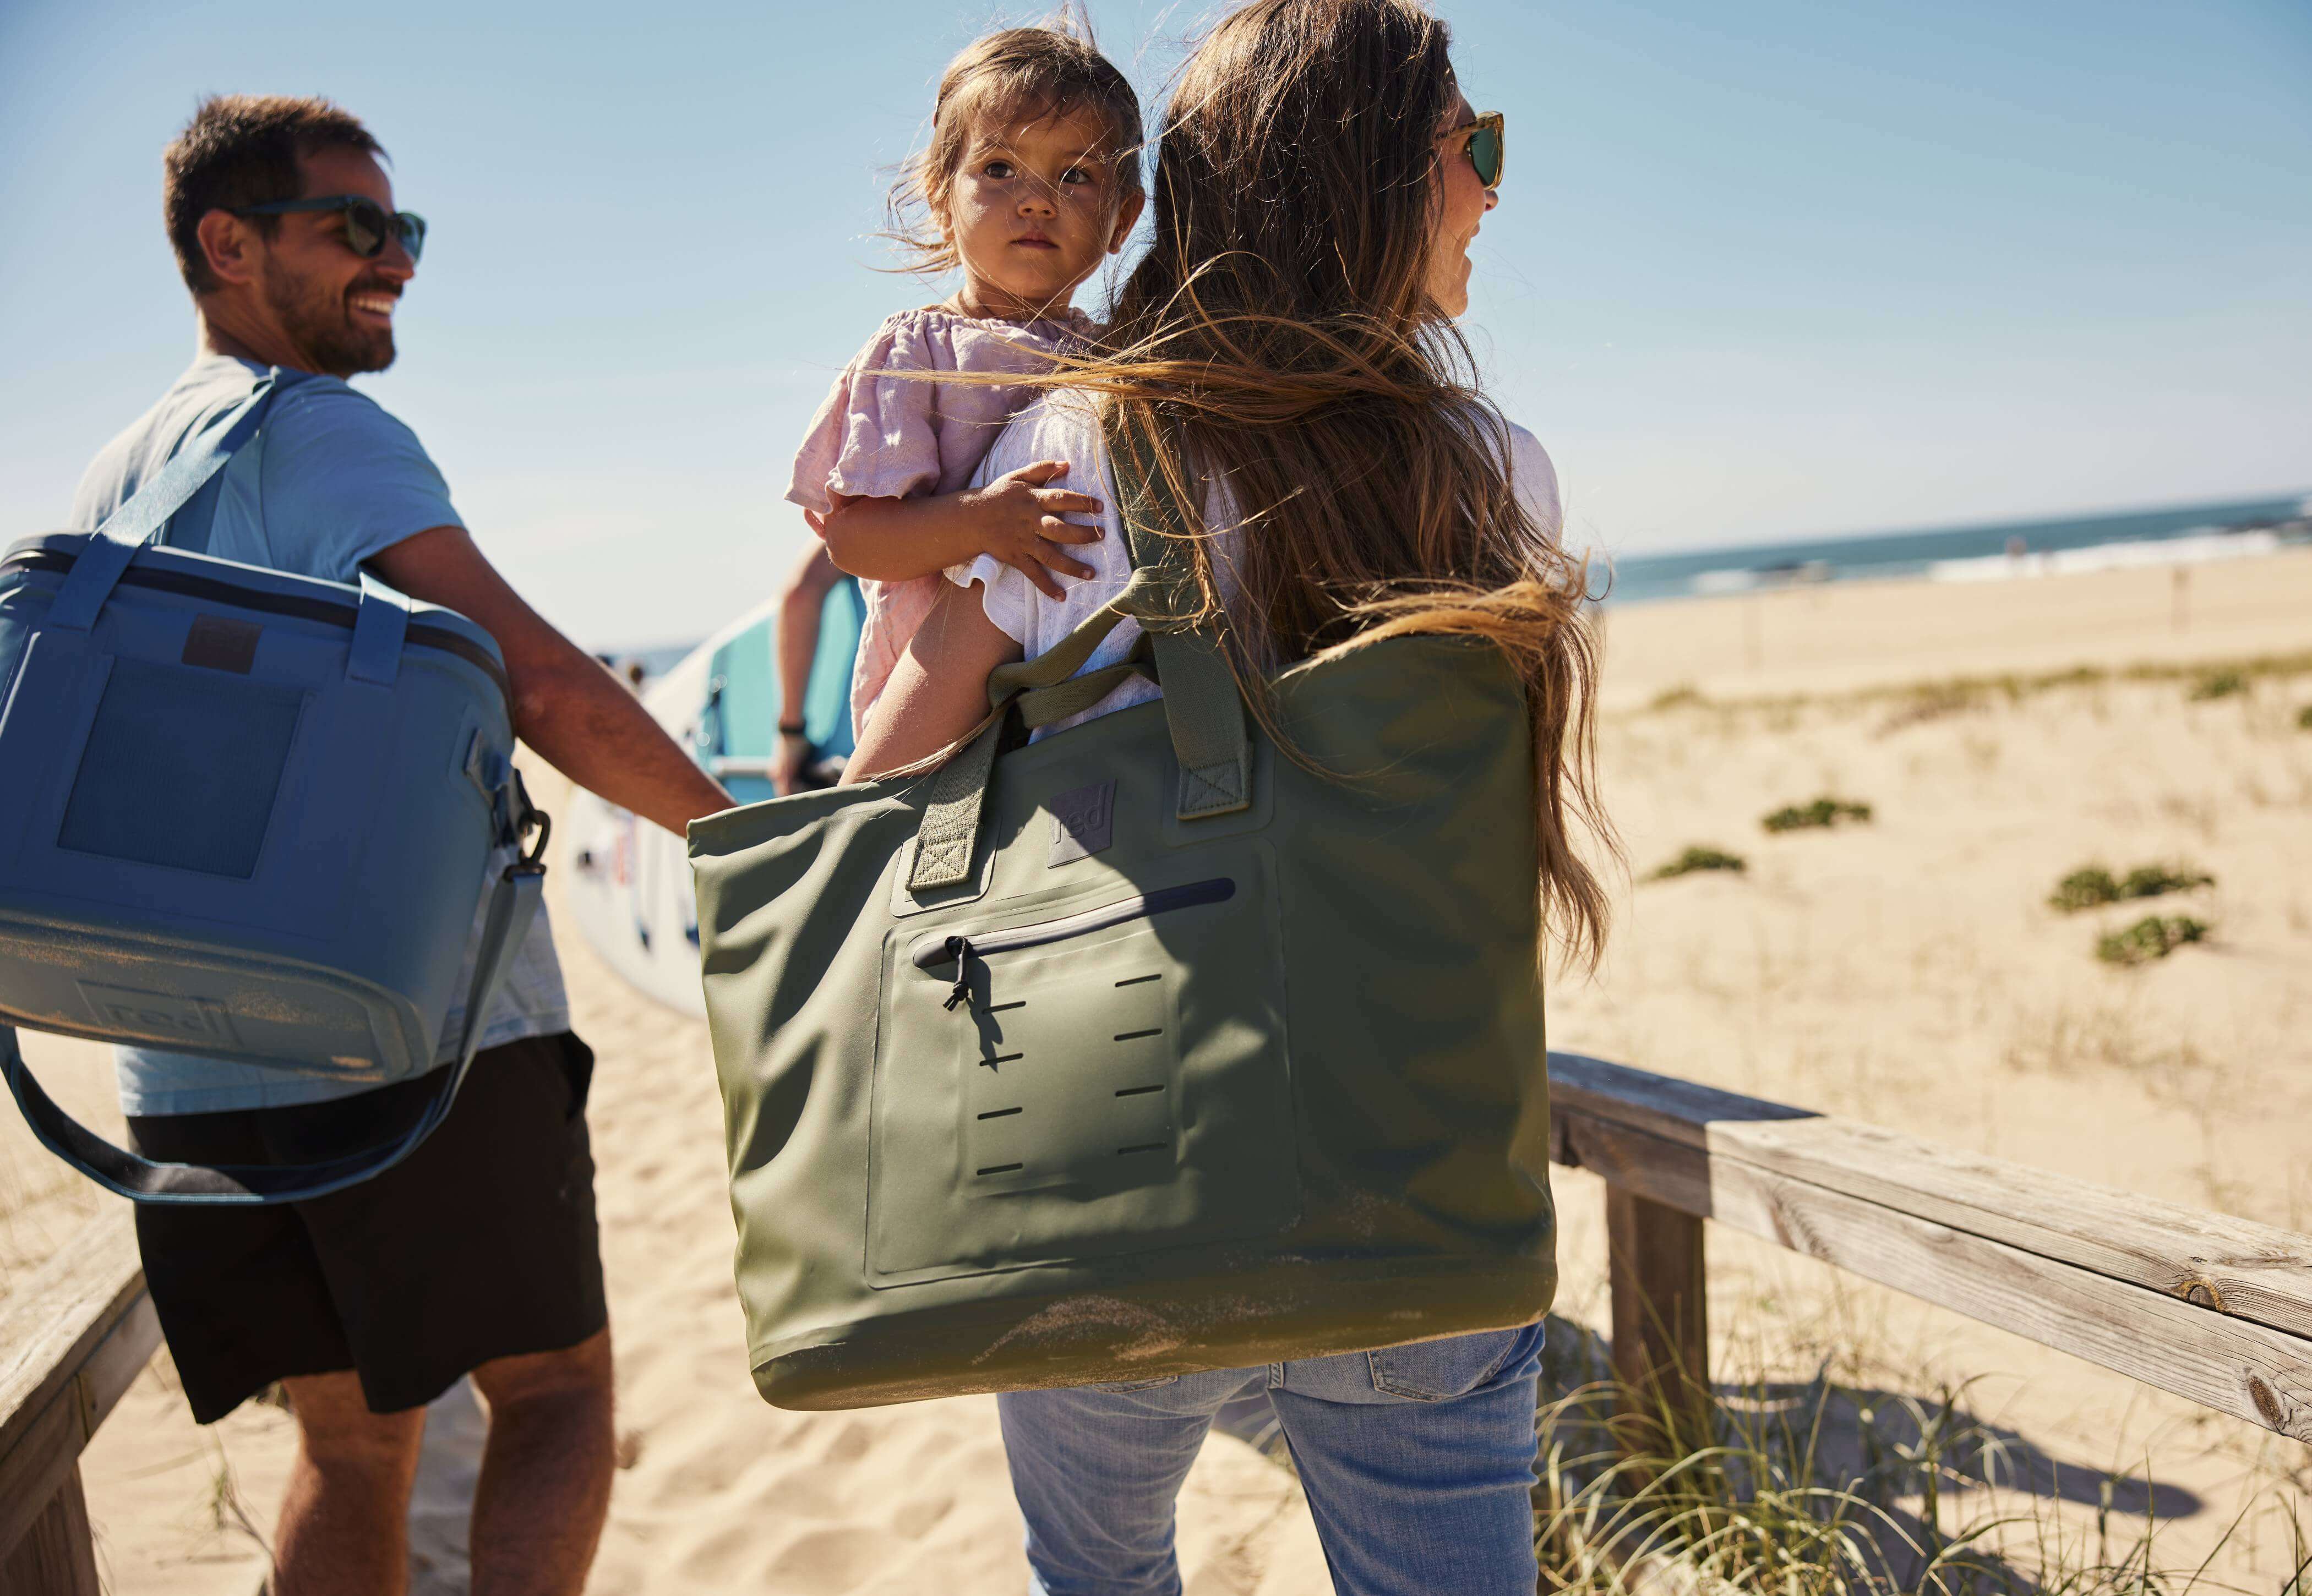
x=56, y=562
x=960, y=950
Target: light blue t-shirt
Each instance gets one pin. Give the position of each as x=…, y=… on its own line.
x=330, y=480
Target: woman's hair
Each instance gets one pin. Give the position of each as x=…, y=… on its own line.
x=1018, y=76
x=1279, y=336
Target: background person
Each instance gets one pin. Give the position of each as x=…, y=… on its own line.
x=799, y=764
x=1319, y=179
x=479, y=1253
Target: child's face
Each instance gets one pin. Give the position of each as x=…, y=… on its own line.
x=1033, y=209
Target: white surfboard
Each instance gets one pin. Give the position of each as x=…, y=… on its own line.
x=626, y=883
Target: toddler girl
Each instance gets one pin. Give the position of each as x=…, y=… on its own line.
x=1032, y=175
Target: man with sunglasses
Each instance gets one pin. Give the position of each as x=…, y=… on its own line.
x=478, y=1254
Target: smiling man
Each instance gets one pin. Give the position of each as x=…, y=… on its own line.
x=477, y=1254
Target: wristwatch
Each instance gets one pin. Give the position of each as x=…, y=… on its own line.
x=792, y=728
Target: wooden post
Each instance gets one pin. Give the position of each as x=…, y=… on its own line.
x=56, y=1556
x=1661, y=1330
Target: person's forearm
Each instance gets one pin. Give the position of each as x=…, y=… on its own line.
x=798, y=644
x=584, y=724
x=896, y=540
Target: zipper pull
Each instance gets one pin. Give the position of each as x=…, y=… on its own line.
x=958, y=948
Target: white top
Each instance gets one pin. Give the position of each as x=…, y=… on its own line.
x=1066, y=426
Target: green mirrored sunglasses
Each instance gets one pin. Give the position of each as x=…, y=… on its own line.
x=1485, y=148
x=368, y=224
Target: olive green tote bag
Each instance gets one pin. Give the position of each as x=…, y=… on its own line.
x=1148, y=1047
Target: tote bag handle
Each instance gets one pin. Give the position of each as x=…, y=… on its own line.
x=1204, y=711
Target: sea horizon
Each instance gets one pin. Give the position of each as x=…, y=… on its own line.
x=1982, y=551
x=1990, y=550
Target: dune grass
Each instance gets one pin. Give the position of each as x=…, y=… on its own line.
x=2154, y=937
x=1821, y=1489
x=1824, y=813
x=1698, y=857
x=2091, y=885
x=1935, y=697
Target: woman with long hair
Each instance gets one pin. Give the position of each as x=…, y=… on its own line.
x=1286, y=357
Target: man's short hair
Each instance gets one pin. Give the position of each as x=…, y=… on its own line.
x=242, y=150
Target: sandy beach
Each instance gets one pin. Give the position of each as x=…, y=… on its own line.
x=1907, y=970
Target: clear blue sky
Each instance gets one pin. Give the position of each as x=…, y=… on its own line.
x=1765, y=270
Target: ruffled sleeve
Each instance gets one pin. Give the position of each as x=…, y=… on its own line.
x=877, y=435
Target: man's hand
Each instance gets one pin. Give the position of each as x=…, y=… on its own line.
x=565, y=704
x=787, y=765
x=1017, y=520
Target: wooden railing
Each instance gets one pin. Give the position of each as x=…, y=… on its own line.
x=70, y=1342
x=2209, y=1307
x=2212, y=1308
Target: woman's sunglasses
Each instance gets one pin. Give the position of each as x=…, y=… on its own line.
x=1485, y=146
x=368, y=224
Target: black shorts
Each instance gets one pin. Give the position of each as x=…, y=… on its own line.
x=480, y=1244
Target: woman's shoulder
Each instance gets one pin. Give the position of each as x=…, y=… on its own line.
x=1533, y=477
x=1057, y=424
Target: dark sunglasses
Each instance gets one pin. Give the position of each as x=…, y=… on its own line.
x=368, y=224
x=1485, y=148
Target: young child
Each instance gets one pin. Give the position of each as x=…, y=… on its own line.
x=1032, y=175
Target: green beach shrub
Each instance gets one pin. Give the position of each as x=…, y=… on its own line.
x=2224, y=683
x=1820, y=1488
x=1699, y=858
x=1822, y=812
x=2154, y=937
x=2092, y=886
x=2150, y=881
x=2304, y=718
x=2084, y=888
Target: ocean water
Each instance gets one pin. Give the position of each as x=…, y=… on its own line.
x=2185, y=534
x=2004, y=551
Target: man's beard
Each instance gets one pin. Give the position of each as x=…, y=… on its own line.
x=321, y=326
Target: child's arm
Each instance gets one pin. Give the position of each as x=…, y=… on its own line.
x=1016, y=518
x=938, y=691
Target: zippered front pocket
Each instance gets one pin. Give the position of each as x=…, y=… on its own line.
x=959, y=951
x=1075, y=1083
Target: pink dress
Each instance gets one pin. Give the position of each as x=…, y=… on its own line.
x=881, y=437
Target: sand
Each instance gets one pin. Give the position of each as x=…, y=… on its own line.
x=1905, y=971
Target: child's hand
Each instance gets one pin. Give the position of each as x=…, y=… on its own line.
x=1020, y=524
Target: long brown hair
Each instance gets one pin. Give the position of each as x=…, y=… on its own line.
x=1279, y=336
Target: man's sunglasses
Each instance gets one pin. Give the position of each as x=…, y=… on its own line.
x=368, y=224
x=1485, y=146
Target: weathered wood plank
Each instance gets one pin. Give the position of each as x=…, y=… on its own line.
x=2235, y=1366
x=2229, y=1267
x=1661, y=1333
x=71, y=1342
x=56, y=1556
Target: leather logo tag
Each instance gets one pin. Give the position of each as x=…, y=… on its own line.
x=220, y=642
x=1084, y=822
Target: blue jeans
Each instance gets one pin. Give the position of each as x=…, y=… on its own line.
x=1417, y=1462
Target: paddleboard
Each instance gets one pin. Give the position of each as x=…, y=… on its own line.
x=626, y=881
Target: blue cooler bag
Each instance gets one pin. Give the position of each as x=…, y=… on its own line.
x=246, y=815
